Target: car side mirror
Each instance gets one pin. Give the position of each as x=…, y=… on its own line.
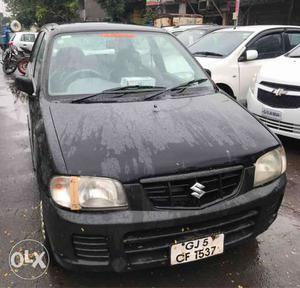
x=251, y=55
x=24, y=84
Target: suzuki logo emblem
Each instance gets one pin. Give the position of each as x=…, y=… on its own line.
x=279, y=92
x=198, y=192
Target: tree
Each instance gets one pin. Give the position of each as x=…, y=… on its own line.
x=3, y=19
x=116, y=9
x=29, y=12
x=23, y=10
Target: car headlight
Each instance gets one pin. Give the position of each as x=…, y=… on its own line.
x=270, y=166
x=79, y=193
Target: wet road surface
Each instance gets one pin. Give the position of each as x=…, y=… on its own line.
x=273, y=260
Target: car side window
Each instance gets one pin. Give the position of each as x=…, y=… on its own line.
x=268, y=46
x=40, y=58
x=28, y=38
x=36, y=48
x=294, y=39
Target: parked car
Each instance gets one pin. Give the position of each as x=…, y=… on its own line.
x=274, y=96
x=177, y=30
x=23, y=40
x=234, y=56
x=192, y=35
x=142, y=162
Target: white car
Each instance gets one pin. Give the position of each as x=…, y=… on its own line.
x=23, y=40
x=177, y=30
x=274, y=96
x=235, y=55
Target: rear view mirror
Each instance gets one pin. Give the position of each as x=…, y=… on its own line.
x=251, y=55
x=24, y=84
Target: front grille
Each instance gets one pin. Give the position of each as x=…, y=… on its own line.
x=174, y=192
x=281, y=86
x=285, y=101
x=279, y=125
x=91, y=248
x=153, y=246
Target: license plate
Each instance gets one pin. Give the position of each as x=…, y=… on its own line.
x=271, y=114
x=196, y=250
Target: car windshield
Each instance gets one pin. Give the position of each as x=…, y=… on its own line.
x=221, y=43
x=87, y=63
x=295, y=53
x=189, y=37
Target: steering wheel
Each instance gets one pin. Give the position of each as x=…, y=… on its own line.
x=79, y=73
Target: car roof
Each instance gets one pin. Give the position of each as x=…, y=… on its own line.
x=257, y=28
x=183, y=28
x=94, y=26
x=207, y=27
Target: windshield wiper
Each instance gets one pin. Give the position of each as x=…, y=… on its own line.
x=115, y=91
x=181, y=87
x=208, y=53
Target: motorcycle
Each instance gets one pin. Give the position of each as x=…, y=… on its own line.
x=13, y=59
x=10, y=59
x=24, y=60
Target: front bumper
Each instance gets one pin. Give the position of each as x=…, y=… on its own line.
x=127, y=240
x=288, y=126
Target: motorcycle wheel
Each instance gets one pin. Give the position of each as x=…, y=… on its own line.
x=9, y=68
x=22, y=66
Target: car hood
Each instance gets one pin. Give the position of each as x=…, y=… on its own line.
x=284, y=70
x=134, y=140
x=209, y=62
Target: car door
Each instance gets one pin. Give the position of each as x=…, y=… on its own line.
x=268, y=45
x=34, y=73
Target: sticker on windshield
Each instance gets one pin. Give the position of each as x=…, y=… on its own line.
x=118, y=35
x=137, y=81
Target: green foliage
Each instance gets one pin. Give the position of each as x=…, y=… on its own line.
x=4, y=19
x=116, y=9
x=41, y=12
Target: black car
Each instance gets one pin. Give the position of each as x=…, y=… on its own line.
x=141, y=161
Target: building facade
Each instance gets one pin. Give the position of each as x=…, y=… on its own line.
x=252, y=12
x=175, y=6
x=91, y=10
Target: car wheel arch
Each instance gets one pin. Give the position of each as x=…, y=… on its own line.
x=227, y=89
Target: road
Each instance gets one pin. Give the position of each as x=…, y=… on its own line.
x=273, y=260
